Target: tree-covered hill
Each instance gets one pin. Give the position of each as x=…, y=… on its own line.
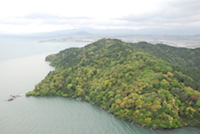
x=127, y=81
x=184, y=60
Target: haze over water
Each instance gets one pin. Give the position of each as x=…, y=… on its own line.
x=22, y=65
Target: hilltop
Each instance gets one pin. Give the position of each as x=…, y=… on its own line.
x=131, y=81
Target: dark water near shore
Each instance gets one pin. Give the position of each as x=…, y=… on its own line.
x=22, y=66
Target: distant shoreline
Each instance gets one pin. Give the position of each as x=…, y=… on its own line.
x=170, y=41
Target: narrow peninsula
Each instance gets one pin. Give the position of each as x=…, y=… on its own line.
x=152, y=85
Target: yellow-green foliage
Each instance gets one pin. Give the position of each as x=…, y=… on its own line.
x=129, y=83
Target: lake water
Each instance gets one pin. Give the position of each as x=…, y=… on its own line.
x=22, y=65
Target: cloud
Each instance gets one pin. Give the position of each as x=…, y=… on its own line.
x=155, y=15
x=44, y=19
x=50, y=19
x=174, y=15
x=40, y=16
x=181, y=12
x=44, y=16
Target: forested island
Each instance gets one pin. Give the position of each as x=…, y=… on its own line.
x=152, y=85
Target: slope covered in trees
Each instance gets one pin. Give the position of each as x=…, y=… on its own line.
x=182, y=59
x=125, y=80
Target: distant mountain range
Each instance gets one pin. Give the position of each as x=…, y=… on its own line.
x=95, y=32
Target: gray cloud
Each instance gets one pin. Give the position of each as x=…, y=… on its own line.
x=181, y=16
x=180, y=12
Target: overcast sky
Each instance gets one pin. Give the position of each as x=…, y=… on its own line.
x=159, y=16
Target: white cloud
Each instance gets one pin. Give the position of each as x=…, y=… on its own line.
x=24, y=16
x=34, y=28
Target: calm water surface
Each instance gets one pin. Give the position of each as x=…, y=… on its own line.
x=21, y=68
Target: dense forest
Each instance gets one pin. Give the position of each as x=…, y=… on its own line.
x=184, y=60
x=142, y=83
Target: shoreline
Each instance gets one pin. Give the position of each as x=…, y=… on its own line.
x=129, y=121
